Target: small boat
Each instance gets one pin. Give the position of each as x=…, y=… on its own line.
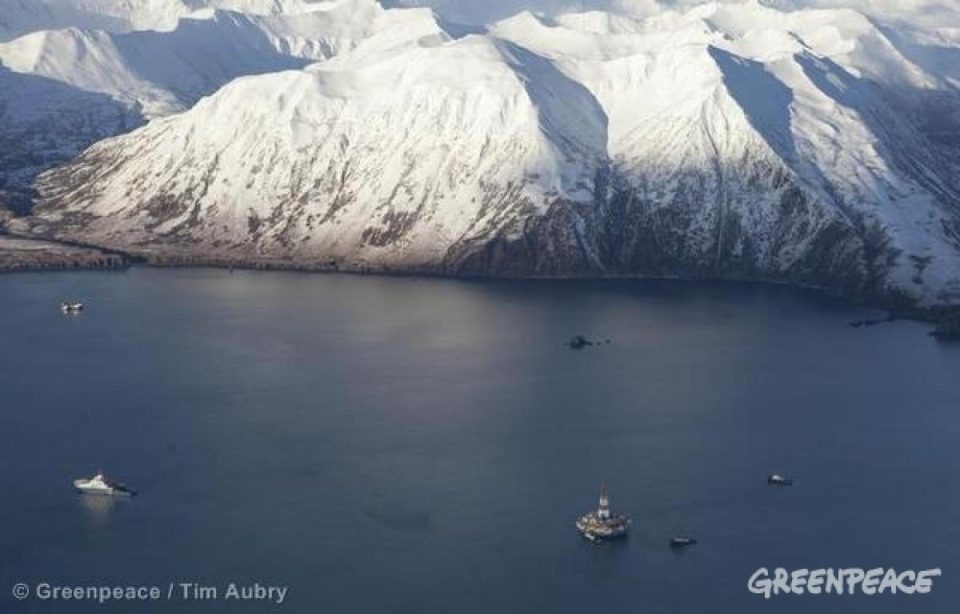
x=682, y=541
x=68, y=307
x=602, y=524
x=579, y=342
x=778, y=480
x=100, y=485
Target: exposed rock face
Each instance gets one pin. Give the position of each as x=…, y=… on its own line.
x=729, y=141
x=63, y=89
x=948, y=326
x=43, y=123
x=26, y=255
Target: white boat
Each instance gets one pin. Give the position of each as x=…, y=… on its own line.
x=100, y=485
x=778, y=480
x=68, y=307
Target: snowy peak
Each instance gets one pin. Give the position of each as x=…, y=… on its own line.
x=154, y=73
x=19, y=17
x=387, y=162
x=167, y=71
x=725, y=139
x=765, y=101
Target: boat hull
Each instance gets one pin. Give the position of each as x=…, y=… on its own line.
x=110, y=491
x=105, y=493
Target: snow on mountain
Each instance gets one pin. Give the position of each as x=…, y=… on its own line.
x=819, y=96
x=818, y=146
x=929, y=13
x=43, y=122
x=148, y=74
x=164, y=72
x=19, y=17
x=168, y=71
x=410, y=154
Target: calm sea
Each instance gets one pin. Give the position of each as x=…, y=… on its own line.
x=416, y=445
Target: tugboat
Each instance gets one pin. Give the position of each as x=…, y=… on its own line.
x=778, y=480
x=682, y=541
x=602, y=524
x=72, y=308
x=100, y=485
x=579, y=342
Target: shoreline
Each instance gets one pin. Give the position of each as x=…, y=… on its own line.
x=25, y=254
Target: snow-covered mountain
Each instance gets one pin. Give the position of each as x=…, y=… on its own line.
x=168, y=71
x=144, y=74
x=818, y=146
x=18, y=17
x=929, y=13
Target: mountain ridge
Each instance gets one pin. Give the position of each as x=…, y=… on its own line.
x=726, y=140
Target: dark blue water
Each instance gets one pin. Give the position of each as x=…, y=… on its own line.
x=406, y=445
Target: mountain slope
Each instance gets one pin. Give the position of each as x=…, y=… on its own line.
x=44, y=123
x=382, y=164
x=729, y=140
x=157, y=73
x=167, y=71
x=19, y=17
x=701, y=104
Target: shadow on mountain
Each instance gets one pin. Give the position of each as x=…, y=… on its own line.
x=20, y=17
x=934, y=59
x=458, y=30
x=901, y=139
x=765, y=100
x=44, y=123
x=569, y=113
x=202, y=55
